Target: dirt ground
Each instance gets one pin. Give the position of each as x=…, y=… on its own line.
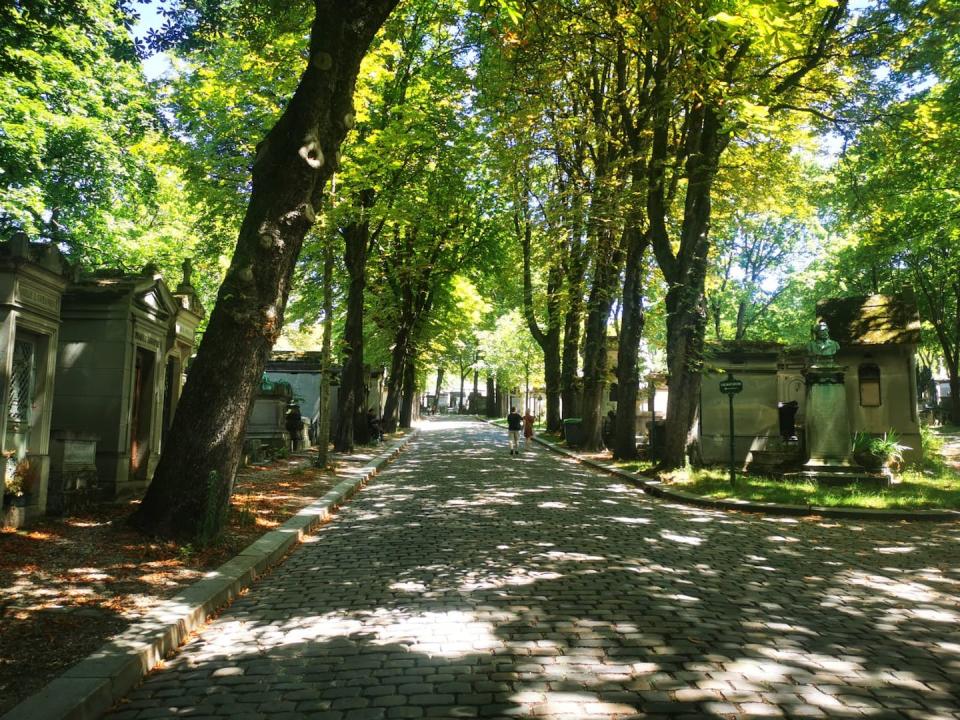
x=951, y=445
x=68, y=584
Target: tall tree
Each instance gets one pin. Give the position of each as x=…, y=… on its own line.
x=352, y=398
x=711, y=67
x=192, y=485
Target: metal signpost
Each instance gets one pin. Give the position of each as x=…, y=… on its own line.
x=730, y=387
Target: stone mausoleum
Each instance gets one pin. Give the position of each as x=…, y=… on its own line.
x=32, y=280
x=878, y=336
x=124, y=343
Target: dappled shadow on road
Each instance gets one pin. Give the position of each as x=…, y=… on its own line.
x=468, y=579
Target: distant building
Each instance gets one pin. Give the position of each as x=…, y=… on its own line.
x=878, y=337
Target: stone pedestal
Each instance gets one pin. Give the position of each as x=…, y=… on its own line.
x=828, y=427
x=776, y=459
x=828, y=431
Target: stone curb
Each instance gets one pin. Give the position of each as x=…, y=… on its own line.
x=91, y=687
x=655, y=488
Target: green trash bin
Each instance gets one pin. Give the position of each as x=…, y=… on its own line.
x=573, y=432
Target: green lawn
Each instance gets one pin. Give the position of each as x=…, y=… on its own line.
x=635, y=466
x=916, y=489
x=933, y=486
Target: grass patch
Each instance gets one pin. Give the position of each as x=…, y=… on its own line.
x=916, y=489
x=553, y=437
x=635, y=466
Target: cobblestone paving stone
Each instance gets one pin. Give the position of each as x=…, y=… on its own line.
x=466, y=583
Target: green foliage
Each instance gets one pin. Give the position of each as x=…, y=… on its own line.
x=896, y=193
x=933, y=462
x=72, y=107
x=221, y=99
x=886, y=448
x=510, y=353
x=186, y=552
x=914, y=491
x=83, y=161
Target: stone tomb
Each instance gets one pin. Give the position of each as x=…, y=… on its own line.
x=32, y=281
x=266, y=431
x=124, y=343
x=756, y=407
x=877, y=337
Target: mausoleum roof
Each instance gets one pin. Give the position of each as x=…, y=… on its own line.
x=872, y=319
x=295, y=361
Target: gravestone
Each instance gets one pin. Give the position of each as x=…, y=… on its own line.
x=73, y=471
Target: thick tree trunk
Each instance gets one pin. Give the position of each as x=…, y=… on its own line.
x=631, y=329
x=463, y=379
x=323, y=424
x=391, y=405
x=409, y=393
x=351, y=409
x=191, y=488
x=436, y=395
x=954, y=376
x=686, y=302
x=475, y=396
x=686, y=323
x=570, y=386
x=551, y=376
x=595, y=341
x=549, y=339
x=491, y=397
x=685, y=273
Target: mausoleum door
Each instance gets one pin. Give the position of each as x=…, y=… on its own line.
x=20, y=403
x=141, y=414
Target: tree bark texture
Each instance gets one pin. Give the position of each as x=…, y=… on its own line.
x=570, y=387
x=685, y=274
x=391, y=405
x=351, y=406
x=436, y=395
x=685, y=270
x=549, y=339
x=323, y=425
x=595, y=365
x=631, y=330
x=409, y=392
x=191, y=488
x=414, y=295
x=491, y=397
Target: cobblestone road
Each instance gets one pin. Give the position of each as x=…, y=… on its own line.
x=466, y=583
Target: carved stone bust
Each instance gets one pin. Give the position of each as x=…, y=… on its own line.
x=821, y=348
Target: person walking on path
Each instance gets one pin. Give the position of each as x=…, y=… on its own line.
x=527, y=429
x=294, y=424
x=514, y=426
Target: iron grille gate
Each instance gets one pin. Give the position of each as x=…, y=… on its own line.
x=21, y=384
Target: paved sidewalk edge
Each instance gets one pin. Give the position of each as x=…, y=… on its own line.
x=92, y=686
x=655, y=488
